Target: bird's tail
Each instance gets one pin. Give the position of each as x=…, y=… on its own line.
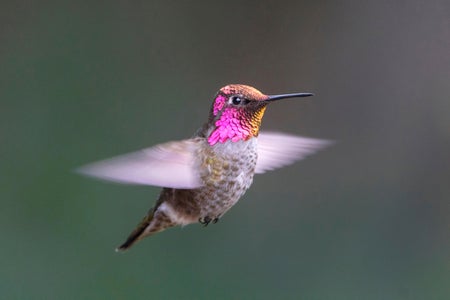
x=155, y=221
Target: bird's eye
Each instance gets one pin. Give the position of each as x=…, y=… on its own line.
x=236, y=100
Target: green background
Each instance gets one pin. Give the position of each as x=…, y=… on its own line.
x=368, y=218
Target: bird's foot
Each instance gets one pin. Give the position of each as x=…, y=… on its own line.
x=205, y=221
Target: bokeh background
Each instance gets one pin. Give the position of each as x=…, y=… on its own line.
x=368, y=218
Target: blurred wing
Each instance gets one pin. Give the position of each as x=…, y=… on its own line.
x=166, y=165
x=276, y=150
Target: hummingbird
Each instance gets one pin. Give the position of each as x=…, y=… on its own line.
x=204, y=176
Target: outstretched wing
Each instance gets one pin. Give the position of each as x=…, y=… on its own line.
x=276, y=150
x=166, y=165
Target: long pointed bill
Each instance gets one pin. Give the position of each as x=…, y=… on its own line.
x=284, y=96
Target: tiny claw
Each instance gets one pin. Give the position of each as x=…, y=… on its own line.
x=205, y=221
x=215, y=220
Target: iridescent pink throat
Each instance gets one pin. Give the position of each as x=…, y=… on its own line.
x=231, y=125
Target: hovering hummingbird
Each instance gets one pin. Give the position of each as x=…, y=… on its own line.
x=203, y=177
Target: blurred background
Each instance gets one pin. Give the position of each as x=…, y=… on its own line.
x=368, y=218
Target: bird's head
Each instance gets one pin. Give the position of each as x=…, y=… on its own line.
x=237, y=111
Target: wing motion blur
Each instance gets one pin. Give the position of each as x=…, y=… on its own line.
x=276, y=150
x=166, y=165
x=172, y=164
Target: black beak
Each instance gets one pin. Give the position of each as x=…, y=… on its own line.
x=284, y=96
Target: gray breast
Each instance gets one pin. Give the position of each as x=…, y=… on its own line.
x=228, y=173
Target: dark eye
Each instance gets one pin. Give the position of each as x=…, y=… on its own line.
x=236, y=100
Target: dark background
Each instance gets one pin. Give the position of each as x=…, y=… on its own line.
x=368, y=218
